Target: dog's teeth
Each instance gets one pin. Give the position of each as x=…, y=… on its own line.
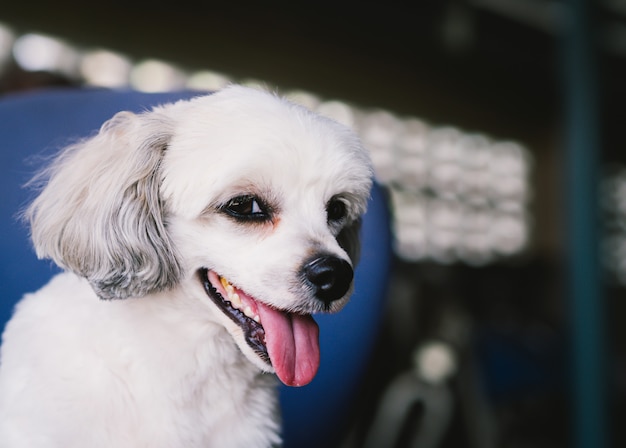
x=232, y=296
x=235, y=300
x=248, y=312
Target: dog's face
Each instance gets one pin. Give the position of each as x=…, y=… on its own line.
x=249, y=203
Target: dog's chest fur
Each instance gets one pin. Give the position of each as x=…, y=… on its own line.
x=149, y=372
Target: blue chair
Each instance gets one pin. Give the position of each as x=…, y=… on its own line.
x=33, y=126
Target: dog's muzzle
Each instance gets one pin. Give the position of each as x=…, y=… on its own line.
x=286, y=341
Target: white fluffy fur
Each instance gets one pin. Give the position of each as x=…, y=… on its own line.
x=132, y=213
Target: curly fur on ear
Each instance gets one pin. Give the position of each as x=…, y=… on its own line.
x=99, y=213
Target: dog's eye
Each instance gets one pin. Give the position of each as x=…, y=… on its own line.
x=336, y=210
x=247, y=208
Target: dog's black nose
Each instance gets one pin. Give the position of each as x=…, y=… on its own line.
x=329, y=276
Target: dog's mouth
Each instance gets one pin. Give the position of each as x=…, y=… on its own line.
x=286, y=341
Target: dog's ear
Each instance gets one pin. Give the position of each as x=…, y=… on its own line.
x=99, y=213
x=349, y=240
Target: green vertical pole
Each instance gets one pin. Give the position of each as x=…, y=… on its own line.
x=589, y=415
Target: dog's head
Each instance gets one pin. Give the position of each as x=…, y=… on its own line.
x=248, y=202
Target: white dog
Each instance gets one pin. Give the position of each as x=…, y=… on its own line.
x=223, y=223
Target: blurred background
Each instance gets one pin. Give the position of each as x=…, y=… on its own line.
x=496, y=128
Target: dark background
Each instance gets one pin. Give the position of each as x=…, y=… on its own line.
x=490, y=66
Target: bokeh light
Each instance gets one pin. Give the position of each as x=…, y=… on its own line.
x=7, y=38
x=105, y=68
x=207, y=80
x=152, y=75
x=38, y=52
x=456, y=196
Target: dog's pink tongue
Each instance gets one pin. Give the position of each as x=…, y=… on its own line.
x=292, y=342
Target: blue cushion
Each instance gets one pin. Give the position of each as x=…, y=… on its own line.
x=36, y=125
